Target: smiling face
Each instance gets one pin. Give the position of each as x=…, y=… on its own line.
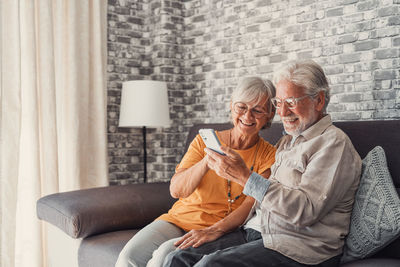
x=307, y=112
x=247, y=123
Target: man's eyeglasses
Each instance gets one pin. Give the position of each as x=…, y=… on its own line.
x=241, y=108
x=291, y=102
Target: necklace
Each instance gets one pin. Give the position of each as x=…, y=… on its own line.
x=230, y=199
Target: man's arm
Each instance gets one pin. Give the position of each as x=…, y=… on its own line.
x=331, y=171
x=327, y=177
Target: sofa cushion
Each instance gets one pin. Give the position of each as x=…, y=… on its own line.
x=375, y=220
x=103, y=250
x=384, y=262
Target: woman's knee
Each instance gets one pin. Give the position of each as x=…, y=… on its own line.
x=160, y=253
x=166, y=247
x=138, y=251
x=125, y=259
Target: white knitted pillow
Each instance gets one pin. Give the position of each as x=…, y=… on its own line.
x=375, y=220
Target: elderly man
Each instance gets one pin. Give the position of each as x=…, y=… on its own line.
x=302, y=212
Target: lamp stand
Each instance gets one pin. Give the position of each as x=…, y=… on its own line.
x=144, y=155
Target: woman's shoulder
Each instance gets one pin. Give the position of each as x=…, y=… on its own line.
x=266, y=146
x=265, y=143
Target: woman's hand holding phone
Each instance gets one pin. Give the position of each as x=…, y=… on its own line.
x=211, y=140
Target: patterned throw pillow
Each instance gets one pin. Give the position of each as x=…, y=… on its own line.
x=375, y=220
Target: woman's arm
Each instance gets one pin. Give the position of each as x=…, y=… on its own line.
x=196, y=238
x=185, y=181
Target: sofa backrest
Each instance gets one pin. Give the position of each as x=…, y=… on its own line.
x=365, y=135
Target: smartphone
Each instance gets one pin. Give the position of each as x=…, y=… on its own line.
x=211, y=140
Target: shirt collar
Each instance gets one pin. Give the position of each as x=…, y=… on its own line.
x=318, y=128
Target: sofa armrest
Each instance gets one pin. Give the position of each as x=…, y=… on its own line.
x=92, y=211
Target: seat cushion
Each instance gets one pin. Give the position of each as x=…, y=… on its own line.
x=373, y=263
x=103, y=250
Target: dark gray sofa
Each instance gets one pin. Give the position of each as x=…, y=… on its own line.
x=106, y=218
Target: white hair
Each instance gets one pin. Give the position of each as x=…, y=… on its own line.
x=306, y=74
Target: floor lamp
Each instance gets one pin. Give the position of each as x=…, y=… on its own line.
x=144, y=104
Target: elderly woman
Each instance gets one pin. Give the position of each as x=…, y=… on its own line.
x=209, y=205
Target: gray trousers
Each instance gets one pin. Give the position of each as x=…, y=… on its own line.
x=239, y=248
x=150, y=245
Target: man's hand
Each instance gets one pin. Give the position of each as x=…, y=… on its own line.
x=231, y=166
x=196, y=238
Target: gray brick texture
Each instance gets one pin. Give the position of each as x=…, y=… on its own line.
x=202, y=48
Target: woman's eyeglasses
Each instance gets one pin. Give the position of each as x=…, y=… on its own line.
x=241, y=108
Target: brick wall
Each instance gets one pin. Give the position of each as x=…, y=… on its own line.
x=202, y=47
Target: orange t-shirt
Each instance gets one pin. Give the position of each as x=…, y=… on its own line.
x=209, y=202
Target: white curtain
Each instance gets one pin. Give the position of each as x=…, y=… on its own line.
x=53, y=113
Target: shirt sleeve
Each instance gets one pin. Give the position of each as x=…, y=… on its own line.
x=256, y=187
x=194, y=154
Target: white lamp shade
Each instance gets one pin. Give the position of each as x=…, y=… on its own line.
x=144, y=103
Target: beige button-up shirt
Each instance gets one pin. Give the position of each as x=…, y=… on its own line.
x=305, y=213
